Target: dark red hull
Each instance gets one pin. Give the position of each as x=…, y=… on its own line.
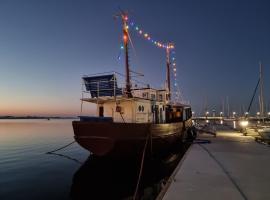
x=127, y=139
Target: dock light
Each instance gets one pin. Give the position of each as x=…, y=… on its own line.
x=234, y=113
x=268, y=114
x=244, y=123
x=207, y=113
x=258, y=113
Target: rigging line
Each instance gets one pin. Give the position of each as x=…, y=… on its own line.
x=225, y=171
x=254, y=93
x=132, y=44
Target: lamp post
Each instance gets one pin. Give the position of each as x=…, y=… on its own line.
x=221, y=114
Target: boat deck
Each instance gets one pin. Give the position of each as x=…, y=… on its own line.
x=232, y=166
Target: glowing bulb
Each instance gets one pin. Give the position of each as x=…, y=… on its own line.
x=174, y=64
x=122, y=47
x=174, y=69
x=140, y=31
x=125, y=38
x=243, y=123
x=146, y=35
x=148, y=38
x=127, y=26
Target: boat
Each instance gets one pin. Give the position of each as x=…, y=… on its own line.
x=131, y=120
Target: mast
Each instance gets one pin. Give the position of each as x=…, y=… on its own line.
x=261, y=93
x=168, y=77
x=125, y=41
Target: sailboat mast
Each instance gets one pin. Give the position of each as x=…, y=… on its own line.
x=125, y=41
x=168, y=78
x=261, y=93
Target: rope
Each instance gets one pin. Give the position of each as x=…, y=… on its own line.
x=50, y=152
x=68, y=157
x=141, y=167
x=122, y=117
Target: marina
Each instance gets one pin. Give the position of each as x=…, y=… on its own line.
x=132, y=100
x=231, y=166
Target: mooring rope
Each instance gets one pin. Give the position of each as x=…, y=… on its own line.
x=141, y=168
x=50, y=152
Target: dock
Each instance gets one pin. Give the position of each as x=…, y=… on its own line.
x=231, y=166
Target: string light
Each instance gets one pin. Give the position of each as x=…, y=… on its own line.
x=148, y=37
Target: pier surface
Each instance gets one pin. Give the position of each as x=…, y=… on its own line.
x=232, y=166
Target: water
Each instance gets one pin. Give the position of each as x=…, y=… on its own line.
x=27, y=172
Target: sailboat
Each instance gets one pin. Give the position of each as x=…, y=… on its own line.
x=262, y=127
x=131, y=120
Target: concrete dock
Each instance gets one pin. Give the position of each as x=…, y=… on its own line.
x=232, y=166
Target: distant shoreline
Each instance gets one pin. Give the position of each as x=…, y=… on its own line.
x=35, y=117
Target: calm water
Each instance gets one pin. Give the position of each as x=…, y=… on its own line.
x=27, y=172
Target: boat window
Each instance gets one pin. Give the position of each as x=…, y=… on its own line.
x=145, y=95
x=142, y=108
x=161, y=98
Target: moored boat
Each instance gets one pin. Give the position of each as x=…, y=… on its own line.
x=131, y=120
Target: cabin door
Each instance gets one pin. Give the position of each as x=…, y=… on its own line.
x=156, y=115
x=101, y=111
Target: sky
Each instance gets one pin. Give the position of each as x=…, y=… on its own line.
x=46, y=47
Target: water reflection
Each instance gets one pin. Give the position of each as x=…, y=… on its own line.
x=101, y=178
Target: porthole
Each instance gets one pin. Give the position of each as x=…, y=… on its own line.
x=140, y=108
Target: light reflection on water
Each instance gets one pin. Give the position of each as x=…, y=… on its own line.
x=26, y=171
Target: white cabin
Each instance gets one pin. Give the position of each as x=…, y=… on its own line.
x=147, y=105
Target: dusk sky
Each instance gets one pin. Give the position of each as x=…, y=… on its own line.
x=46, y=46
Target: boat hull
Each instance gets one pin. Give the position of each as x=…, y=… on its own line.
x=128, y=139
